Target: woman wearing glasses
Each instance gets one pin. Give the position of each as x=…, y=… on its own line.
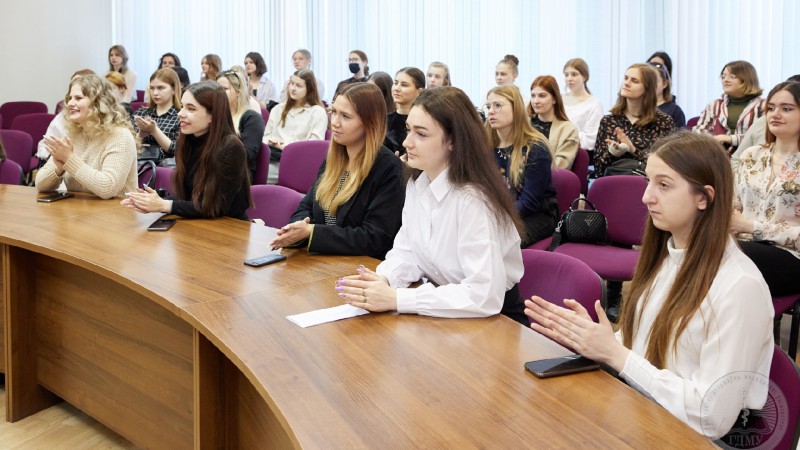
x=727, y=119
x=301, y=118
x=524, y=158
x=249, y=124
x=358, y=63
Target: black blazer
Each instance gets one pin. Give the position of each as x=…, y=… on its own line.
x=251, y=131
x=368, y=222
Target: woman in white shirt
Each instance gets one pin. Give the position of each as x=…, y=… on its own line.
x=301, y=118
x=460, y=232
x=698, y=312
x=767, y=197
x=583, y=109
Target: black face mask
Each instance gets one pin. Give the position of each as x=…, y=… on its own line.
x=354, y=68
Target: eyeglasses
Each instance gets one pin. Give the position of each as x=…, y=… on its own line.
x=496, y=106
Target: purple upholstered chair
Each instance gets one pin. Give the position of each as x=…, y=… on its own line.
x=782, y=407
x=59, y=106
x=10, y=172
x=273, y=204
x=789, y=304
x=164, y=179
x=300, y=163
x=328, y=135
x=555, y=277
x=265, y=115
x=139, y=95
x=568, y=188
x=35, y=125
x=580, y=167
x=147, y=173
x=692, y=122
x=262, y=165
x=10, y=110
x=18, y=147
x=137, y=105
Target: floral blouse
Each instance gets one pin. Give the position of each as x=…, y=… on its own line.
x=641, y=137
x=770, y=198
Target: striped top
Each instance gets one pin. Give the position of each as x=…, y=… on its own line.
x=330, y=219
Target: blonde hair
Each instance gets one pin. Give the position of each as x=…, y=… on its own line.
x=367, y=102
x=238, y=84
x=522, y=132
x=105, y=114
x=117, y=80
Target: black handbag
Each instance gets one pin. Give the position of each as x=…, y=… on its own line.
x=626, y=166
x=584, y=226
x=150, y=153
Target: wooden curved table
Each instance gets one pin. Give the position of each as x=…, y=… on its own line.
x=169, y=340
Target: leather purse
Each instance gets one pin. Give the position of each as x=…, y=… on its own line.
x=584, y=226
x=626, y=166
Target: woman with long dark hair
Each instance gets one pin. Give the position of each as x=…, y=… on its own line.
x=408, y=83
x=460, y=232
x=698, y=312
x=211, y=176
x=354, y=206
x=261, y=88
x=118, y=62
x=548, y=117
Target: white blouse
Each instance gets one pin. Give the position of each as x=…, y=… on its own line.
x=302, y=124
x=770, y=196
x=730, y=334
x=451, y=240
x=586, y=116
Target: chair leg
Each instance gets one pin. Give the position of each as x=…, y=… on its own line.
x=613, y=296
x=794, y=331
x=776, y=330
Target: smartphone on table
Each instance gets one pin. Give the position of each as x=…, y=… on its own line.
x=264, y=260
x=161, y=225
x=54, y=197
x=553, y=367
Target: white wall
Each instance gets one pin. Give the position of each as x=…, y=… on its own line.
x=45, y=41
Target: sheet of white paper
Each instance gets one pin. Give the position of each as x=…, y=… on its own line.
x=326, y=315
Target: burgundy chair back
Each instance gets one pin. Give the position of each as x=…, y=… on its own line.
x=10, y=172
x=18, y=147
x=568, y=188
x=554, y=277
x=328, y=135
x=580, y=167
x=147, y=173
x=265, y=115
x=692, y=122
x=273, y=204
x=300, y=163
x=35, y=125
x=164, y=179
x=137, y=105
x=10, y=110
x=619, y=198
x=59, y=106
x=262, y=165
x=139, y=95
x=782, y=408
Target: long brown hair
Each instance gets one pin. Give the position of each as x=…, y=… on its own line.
x=522, y=132
x=701, y=161
x=214, y=66
x=649, y=97
x=170, y=77
x=472, y=152
x=792, y=87
x=368, y=104
x=206, y=192
x=549, y=84
x=123, y=53
x=580, y=65
x=311, y=98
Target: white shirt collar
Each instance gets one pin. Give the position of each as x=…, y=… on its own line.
x=439, y=187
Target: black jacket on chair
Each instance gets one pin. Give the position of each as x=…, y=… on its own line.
x=368, y=222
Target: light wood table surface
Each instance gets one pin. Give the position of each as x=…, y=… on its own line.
x=171, y=341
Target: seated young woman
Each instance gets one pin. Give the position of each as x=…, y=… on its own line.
x=548, y=117
x=249, y=124
x=98, y=153
x=158, y=123
x=301, y=60
x=667, y=103
x=354, y=206
x=211, y=176
x=408, y=83
x=524, y=159
x=460, y=232
x=583, y=109
x=118, y=62
x=120, y=91
x=698, y=310
x=58, y=126
x=634, y=123
x=358, y=64
x=768, y=194
x=727, y=119
x=261, y=88
x=301, y=118
x=210, y=66
x=438, y=75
